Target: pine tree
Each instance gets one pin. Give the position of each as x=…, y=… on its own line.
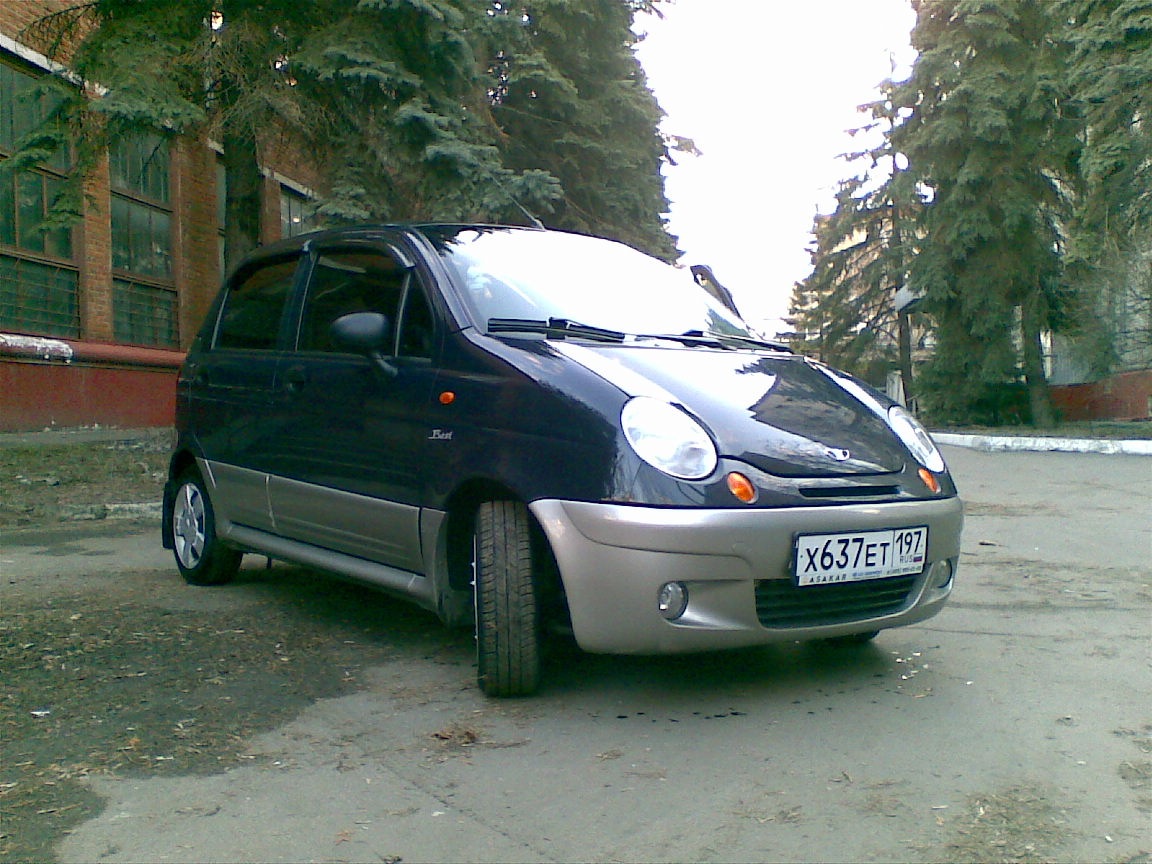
x=571, y=99
x=992, y=134
x=860, y=259
x=409, y=106
x=1109, y=238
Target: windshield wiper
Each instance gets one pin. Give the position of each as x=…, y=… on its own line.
x=712, y=339
x=553, y=328
x=753, y=342
x=688, y=337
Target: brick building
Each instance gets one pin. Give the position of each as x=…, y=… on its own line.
x=93, y=319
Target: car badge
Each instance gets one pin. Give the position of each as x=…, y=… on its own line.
x=838, y=455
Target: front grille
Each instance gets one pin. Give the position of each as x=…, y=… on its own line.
x=779, y=603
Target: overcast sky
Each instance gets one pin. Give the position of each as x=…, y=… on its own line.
x=767, y=91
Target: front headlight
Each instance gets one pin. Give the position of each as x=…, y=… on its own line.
x=668, y=439
x=915, y=438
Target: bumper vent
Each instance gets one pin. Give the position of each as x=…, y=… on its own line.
x=850, y=491
x=780, y=604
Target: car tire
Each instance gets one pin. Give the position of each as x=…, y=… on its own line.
x=508, y=634
x=201, y=558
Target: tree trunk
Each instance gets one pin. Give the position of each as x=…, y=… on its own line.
x=1033, y=357
x=243, y=201
x=905, y=336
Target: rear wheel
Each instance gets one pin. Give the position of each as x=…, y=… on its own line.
x=200, y=557
x=508, y=638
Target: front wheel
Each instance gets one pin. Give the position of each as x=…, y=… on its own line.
x=200, y=557
x=508, y=639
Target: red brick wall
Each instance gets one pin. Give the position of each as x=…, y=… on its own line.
x=16, y=16
x=94, y=254
x=105, y=385
x=101, y=388
x=197, y=243
x=1122, y=397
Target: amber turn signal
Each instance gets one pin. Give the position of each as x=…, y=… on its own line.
x=930, y=480
x=447, y=397
x=741, y=487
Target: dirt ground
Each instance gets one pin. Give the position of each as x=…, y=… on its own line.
x=46, y=483
x=112, y=681
x=101, y=682
x=126, y=674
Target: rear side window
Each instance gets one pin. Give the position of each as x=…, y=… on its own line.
x=253, y=307
x=344, y=282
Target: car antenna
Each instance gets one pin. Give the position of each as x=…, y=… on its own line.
x=536, y=223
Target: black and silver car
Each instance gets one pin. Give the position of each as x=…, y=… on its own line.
x=526, y=430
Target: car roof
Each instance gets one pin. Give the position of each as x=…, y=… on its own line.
x=363, y=231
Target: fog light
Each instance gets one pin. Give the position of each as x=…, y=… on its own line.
x=672, y=600
x=941, y=574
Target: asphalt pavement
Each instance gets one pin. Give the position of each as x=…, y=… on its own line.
x=1014, y=726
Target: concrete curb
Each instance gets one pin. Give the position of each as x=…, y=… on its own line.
x=999, y=443
x=101, y=512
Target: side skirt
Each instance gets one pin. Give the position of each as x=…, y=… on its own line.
x=412, y=586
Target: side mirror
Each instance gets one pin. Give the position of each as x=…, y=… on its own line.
x=366, y=333
x=361, y=332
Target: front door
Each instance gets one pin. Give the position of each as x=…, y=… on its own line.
x=350, y=468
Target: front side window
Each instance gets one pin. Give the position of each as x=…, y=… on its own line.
x=357, y=281
x=254, y=305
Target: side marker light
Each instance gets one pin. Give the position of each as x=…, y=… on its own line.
x=447, y=397
x=741, y=487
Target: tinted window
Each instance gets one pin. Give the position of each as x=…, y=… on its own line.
x=357, y=281
x=253, y=307
x=416, y=325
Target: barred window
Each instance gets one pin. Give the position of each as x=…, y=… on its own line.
x=144, y=304
x=38, y=298
x=144, y=314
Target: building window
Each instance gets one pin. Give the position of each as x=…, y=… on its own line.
x=38, y=298
x=297, y=213
x=143, y=314
x=39, y=281
x=144, y=307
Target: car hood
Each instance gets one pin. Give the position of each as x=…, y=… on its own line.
x=783, y=414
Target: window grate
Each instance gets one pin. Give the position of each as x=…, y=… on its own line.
x=38, y=298
x=144, y=314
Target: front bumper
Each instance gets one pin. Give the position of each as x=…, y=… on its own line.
x=737, y=566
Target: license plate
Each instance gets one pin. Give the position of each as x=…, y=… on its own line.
x=824, y=559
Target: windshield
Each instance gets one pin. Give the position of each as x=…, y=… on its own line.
x=539, y=276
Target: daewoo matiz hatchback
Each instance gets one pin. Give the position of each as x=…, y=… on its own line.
x=526, y=430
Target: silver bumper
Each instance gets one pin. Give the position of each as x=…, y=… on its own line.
x=614, y=559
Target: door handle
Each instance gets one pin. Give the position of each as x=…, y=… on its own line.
x=294, y=377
